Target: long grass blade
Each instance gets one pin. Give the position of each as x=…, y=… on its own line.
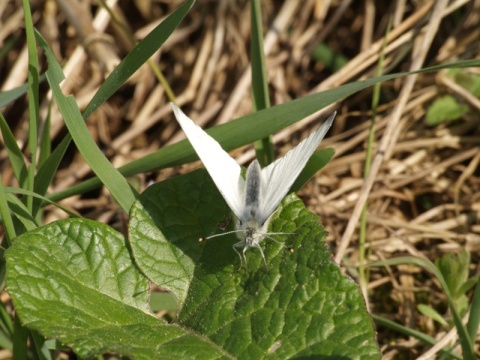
x=261, y=100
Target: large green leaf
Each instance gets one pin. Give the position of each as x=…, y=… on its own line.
x=75, y=280
x=300, y=305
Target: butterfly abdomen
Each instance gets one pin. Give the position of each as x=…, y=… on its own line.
x=252, y=188
x=249, y=218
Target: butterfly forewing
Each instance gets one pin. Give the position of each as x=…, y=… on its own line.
x=223, y=169
x=278, y=177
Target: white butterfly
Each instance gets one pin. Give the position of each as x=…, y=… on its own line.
x=254, y=199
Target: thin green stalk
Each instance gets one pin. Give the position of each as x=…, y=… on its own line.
x=474, y=317
x=33, y=99
x=6, y=321
x=6, y=216
x=364, y=274
x=20, y=337
x=260, y=95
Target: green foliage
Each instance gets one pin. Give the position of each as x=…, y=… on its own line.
x=137, y=57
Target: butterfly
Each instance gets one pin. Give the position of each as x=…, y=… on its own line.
x=255, y=198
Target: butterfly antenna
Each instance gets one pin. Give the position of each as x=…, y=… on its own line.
x=267, y=235
x=222, y=234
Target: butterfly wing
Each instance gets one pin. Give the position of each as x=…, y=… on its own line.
x=279, y=176
x=223, y=169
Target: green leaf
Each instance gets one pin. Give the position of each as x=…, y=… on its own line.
x=75, y=280
x=300, y=305
x=11, y=190
x=443, y=109
x=138, y=56
x=14, y=152
x=162, y=247
x=6, y=341
x=261, y=99
x=6, y=216
x=469, y=284
x=462, y=304
x=9, y=96
x=431, y=313
x=161, y=301
x=45, y=141
x=21, y=213
x=33, y=98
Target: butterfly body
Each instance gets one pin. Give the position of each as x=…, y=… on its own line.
x=254, y=199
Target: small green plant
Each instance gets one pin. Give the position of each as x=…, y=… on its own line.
x=452, y=273
x=455, y=269
x=445, y=108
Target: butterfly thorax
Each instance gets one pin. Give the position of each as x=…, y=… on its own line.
x=250, y=231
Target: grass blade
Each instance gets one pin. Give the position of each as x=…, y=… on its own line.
x=14, y=153
x=33, y=98
x=261, y=99
x=474, y=318
x=110, y=177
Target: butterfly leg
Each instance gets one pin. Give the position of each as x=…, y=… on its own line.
x=241, y=255
x=257, y=245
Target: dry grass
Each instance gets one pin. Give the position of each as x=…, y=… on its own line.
x=423, y=193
